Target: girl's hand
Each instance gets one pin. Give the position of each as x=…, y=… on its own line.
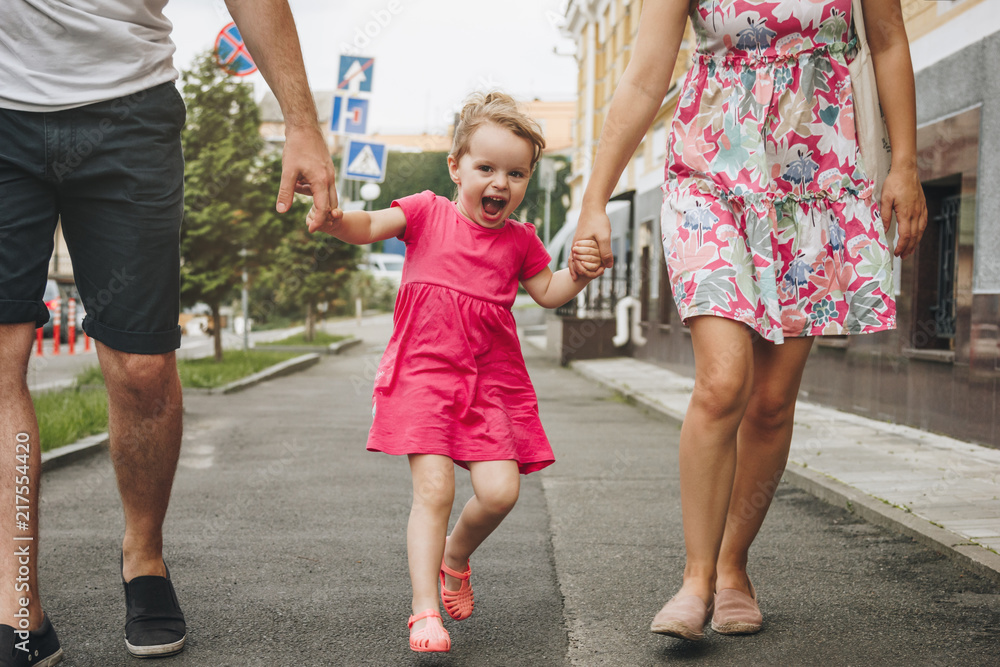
x=903, y=195
x=586, y=255
x=317, y=222
x=594, y=228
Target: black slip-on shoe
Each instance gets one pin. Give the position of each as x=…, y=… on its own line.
x=40, y=648
x=154, y=622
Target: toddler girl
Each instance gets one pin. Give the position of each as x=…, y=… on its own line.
x=452, y=386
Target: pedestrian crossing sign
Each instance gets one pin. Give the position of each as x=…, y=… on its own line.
x=366, y=161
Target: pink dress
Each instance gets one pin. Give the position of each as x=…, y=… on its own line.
x=452, y=380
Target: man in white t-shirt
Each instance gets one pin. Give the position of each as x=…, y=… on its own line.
x=90, y=123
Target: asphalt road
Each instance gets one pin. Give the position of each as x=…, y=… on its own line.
x=286, y=542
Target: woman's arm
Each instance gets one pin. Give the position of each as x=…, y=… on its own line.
x=360, y=227
x=902, y=192
x=637, y=98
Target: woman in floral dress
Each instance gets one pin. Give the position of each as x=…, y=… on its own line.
x=772, y=233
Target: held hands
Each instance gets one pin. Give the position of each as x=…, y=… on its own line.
x=320, y=222
x=903, y=194
x=306, y=169
x=594, y=227
x=586, y=255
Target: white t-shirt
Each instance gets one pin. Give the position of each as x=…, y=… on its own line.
x=60, y=54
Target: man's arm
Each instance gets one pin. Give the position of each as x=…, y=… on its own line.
x=269, y=31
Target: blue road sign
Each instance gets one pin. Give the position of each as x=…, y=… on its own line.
x=356, y=73
x=231, y=53
x=350, y=115
x=366, y=161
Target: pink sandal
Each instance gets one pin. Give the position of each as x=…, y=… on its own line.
x=432, y=638
x=459, y=604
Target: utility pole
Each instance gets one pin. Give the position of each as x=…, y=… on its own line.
x=246, y=302
x=547, y=178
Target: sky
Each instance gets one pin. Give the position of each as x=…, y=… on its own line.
x=429, y=54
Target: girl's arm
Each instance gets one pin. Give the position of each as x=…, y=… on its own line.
x=638, y=97
x=551, y=290
x=360, y=227
x=901, y=192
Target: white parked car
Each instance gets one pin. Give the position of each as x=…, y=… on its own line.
x=384, y=265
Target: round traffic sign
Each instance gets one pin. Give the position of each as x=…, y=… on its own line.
x=231, y=53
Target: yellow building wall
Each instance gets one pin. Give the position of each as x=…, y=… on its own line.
x=613, y=49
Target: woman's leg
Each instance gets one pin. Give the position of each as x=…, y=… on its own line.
x=723, y=352
x=496, y=485
x=764, y=438
x=433, y=494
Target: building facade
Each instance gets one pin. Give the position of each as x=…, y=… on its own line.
x=940, y=369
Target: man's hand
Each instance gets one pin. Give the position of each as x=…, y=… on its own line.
x=306, y=168
x=593, y=226
x=587, y=254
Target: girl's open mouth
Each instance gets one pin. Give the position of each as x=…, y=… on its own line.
x=493, y=205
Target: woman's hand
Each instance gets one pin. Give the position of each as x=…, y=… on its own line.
x=903, y=195
x=595, y=227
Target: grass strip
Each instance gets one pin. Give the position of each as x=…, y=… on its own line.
x=69, y=415
x=236, y=364
x=320, y=339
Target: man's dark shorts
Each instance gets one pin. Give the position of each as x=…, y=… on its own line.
x=114, y=174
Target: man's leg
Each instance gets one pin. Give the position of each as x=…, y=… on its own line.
x=145, y=415
x=19, y=430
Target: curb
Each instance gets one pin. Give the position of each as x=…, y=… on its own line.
x=278, y=370
x=970, y=556
x=63, y=456
x=346, y=344
x=67, y=454
x=332, y=348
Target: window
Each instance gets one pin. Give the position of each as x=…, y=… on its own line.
x=936, y=283
x=660, y=141
x=646, y=258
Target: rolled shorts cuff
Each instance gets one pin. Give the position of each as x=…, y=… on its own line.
x=132, y=342
x=20, y=312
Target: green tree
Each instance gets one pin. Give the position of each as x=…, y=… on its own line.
x=223, y=202
x=299, y=267
x=410, y=173
x=532, y=209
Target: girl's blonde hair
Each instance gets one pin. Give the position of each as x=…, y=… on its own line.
x=499, y=109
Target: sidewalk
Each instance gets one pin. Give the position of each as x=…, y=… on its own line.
x=286, y=543
x=941, y=491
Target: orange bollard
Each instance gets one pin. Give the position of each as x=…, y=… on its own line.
x=71, y=331
x=86, y=342
x=38, y=333
x=56, y=325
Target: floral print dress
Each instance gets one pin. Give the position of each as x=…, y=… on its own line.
x=768, y=217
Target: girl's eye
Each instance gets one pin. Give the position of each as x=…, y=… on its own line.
x=516, y=174
x=484, y=168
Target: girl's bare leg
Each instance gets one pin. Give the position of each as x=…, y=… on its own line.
x=723, y=352
x=433, y=494
x=496, y=485
x=764, y=438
